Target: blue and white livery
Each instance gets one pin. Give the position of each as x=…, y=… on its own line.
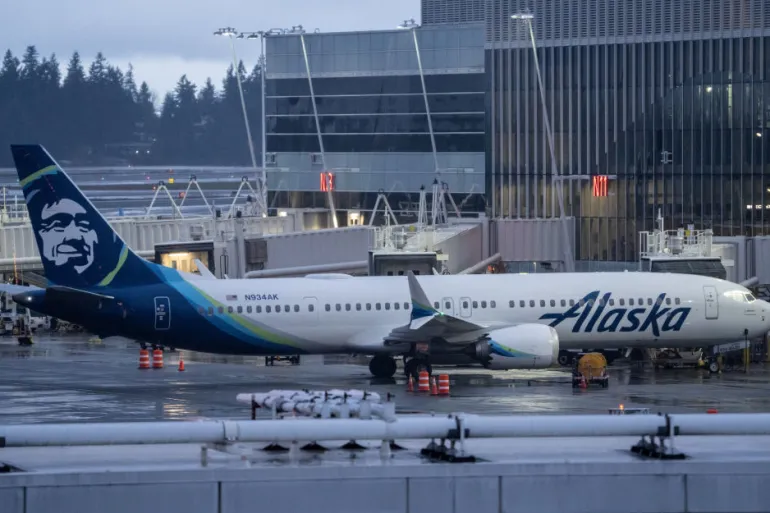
x=497, y=321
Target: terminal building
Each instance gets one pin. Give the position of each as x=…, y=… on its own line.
x=654, y=107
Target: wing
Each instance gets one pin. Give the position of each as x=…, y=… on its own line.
x=427, y=322
x=11, y=289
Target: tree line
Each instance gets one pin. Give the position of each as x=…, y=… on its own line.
x=103, y=117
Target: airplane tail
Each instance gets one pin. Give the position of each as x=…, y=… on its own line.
x=78, y=247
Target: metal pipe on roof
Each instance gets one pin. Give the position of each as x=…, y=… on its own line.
x=409, y=428
x=481, y=265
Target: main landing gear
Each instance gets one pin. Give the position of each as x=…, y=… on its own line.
x=382, y=366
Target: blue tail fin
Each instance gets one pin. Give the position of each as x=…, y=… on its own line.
x=78, y=247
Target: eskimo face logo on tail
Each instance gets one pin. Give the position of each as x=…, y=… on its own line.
x=67, y=236
x=594, y=315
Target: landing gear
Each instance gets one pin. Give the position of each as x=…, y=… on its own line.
x=414, y=366
x=382, y=366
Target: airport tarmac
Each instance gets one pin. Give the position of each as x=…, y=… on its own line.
x=67, y=378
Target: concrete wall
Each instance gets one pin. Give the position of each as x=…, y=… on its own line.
x=319, y=247
x=670, y=487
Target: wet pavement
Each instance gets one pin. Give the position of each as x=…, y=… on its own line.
x=69, y=379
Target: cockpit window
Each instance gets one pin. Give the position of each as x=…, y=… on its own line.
x=740, y=296
x=749, y=297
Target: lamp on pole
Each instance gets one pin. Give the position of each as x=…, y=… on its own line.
x=231, y=33
x=569, y=261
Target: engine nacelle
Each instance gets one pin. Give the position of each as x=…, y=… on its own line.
x=527, y=346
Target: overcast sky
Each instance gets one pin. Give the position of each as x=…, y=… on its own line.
x=164, y=39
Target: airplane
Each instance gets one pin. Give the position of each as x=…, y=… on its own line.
x=498, y=321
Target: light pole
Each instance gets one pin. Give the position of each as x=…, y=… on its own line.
x=230, y=33
x=261, y=34
x=569, y=261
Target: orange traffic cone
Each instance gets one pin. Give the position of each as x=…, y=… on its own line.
x=181, y=364
x=423, y=385
x=711, y=410
x=410, y=386
x=443, y=384
x=144, y=359
x=157, y=359
x=433, y=387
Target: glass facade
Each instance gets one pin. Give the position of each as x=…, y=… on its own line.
x=654, y=105
x=372, y=112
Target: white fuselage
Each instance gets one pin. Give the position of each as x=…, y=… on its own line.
x=337, y=314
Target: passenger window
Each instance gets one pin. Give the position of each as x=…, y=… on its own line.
x=532, y=303
x=631, y=301
x=267, y=309
x=659, y=301
x=397, y=306
x=465, y=304
x=368, y=306
x=240, y=309
x=668, y=300
x=522, y=303
x=338, y=307
x=211, y=310
x=483, y=304
x=447, y=305
x=563, y=303
x=649, y=301
x=221, y=309
x=259, y=309
x=511, y=303
x=542, y=302
x=553, y=302
x=378, y=306
x=248, y=309
x=310, y=308
x=296, y=308
x=436, y=305
x=358, y=306
x=387, y=306
x=571, y=302
x=475, y=304
x=287, y=308
x=278, y=308
x=347, y=307
x=676, y=301
x=492, y=304
x=622, y=302
x=406, y=305
x=201, y=310
x=612, y=302
x=328, y=308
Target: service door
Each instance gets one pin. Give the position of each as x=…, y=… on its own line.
x=466, y=309
x=162, y=313
x=310, y=309
x=712, y=301
x=447, y=306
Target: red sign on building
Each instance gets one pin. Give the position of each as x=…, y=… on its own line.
x=600, y=185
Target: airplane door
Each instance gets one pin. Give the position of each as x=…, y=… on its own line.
x=448, y=305
x=465, y=307
x=310, y=309
x=712, y=301
x=162, y=313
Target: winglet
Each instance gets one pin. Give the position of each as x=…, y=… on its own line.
x=204, y=270
x=420, y=304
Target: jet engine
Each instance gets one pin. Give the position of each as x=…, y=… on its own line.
x=527, y=346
